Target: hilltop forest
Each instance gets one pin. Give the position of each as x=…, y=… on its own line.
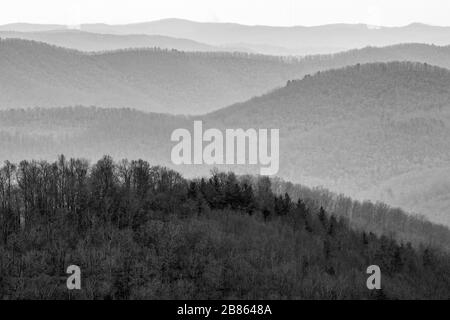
x=142, y=231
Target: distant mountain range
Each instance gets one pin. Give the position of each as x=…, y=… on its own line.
x=296, y=40
x=34, y=74
x=379, y=131
x=31, y=27
x=86, y=41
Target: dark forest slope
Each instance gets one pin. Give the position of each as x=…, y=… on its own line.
x=143, y=232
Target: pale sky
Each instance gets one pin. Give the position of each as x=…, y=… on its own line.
x=265, y=12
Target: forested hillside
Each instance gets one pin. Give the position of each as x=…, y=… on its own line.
x=141, y=231
x=369, y=131
x=34, y=74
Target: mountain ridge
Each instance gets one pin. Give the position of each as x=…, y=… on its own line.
x=91, y=42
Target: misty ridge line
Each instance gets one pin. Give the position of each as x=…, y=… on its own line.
x=206, y=116
x=231, y=37
x=140, y=78
x=11, y=36
x=222, y=52
x=50, y=27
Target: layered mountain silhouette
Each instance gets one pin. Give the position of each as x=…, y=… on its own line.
x=86, y=41
x=31, y=27
x=289, y=40
x=296, y=40
x=34, y=74
x=37, y=74
x=379, y=131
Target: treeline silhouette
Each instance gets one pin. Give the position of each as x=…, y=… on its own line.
x=142, y=231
